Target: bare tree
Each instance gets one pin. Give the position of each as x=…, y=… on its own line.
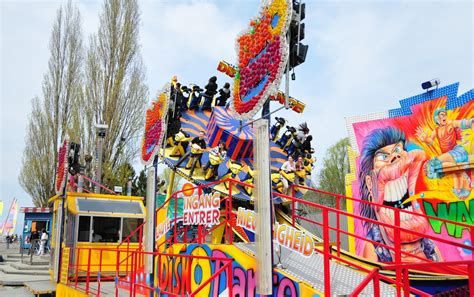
x=52, y=120
x=37, y=172
x=114, y=86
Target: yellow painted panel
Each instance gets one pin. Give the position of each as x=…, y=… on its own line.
x=218, y=233
x=109, y=256
x=65, y=291
x=65, y=265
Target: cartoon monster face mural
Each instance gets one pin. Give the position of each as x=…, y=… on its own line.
x=418, y=158
x=388, y=175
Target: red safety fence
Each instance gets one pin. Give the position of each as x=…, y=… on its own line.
x=89, y=277
x=402, y=259
x=75, y=187
x=130, y=262
x=202, y=232
x=400, y=264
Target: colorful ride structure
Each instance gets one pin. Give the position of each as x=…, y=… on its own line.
x=200, y=240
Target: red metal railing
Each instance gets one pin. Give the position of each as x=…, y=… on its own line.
x=400, y=256
x=83, y=279
x=75, y=186
x=226, y=216
x=187, y=291
x=133, y=259
x=400, y=267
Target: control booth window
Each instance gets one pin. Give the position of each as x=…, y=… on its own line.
x=106, y=229
x=129, y=226
x=84, y=229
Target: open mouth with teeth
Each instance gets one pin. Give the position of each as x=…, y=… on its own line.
x=395, y=193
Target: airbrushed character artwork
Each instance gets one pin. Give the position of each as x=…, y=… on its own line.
x=388, y=174
x=448, y=133
x=418, y=158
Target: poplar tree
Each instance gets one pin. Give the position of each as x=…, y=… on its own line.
x=54, y=117
x=115, y=90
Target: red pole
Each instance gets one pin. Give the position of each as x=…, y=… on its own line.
x=338, y=227
x=292, y=205
x=228, y=231
x=230, y=207
x=199, y=226
x=159, y=271
x=376, y=284
x=470, y=271
x=77, y=265
x=88, y=271
x=406, y=280
x=117, y=267
x=99, y=274
x=135, y=274
x=327, y=272
x=126, y=262
x=470, y=267
x=292, y=212
x=175, y=217
x=398, y=255
x=132, y=277
x=229, y=279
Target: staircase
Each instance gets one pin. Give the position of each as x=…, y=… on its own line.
x=17, y=269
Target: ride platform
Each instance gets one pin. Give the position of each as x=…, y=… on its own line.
x=310, y=270
x=39, y=288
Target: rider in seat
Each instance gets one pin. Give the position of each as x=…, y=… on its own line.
x=198, y=145
x=217, y=155
x=211, y=90
x=288, y=168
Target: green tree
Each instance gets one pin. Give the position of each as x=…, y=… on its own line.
x=118, y=177
x=335, y=167
x=139, y=184
x=140, y=181
x=165, y=176
x=56, y=116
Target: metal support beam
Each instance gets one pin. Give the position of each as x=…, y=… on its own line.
x=263, y=208
x=150, y=214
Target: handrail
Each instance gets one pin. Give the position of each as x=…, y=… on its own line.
x=128, y=238
x=382, y=206
x=398, y=265
x=228, y=267
x=372, y=276
x=97, y=184
x=397, y=214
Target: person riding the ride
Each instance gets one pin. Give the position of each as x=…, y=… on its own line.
x=198, y=145
x=300, y=170
x=224, y=94
x=287, y=171
x=211, y=90
x=217, y=155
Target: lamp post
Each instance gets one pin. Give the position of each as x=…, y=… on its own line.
x=101, y=132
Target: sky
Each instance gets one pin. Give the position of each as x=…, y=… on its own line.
x=364, y=56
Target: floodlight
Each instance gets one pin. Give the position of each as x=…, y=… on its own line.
x=431, y=84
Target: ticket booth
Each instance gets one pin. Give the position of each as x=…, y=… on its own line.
x=37, y=219
x=96, y=221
